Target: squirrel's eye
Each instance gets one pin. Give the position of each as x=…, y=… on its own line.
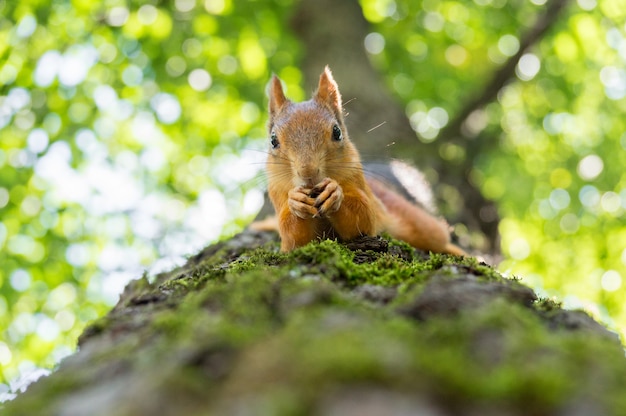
x=337, y=135
x=274, y=141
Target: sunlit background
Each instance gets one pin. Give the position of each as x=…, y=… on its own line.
x=132, y=135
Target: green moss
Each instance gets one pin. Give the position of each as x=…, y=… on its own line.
x=288, y=331
x=548, y=305
x=322, y=349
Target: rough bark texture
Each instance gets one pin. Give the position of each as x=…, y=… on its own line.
x=372, y=327
x=332, y=34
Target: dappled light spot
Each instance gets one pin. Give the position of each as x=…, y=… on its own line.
x=252, y=202
x=252, y=56
x=61, y=297
x=611, y=202
x=5, y=354
x=614, y=80
x=20, y=280
x=75, y=64
x=527, y=67
x=132, y=76
x=17, y=99
x=87, y=141
x=38, y=140
x=27, y=247
x=376, y=11
x=192, y=47
x=78, y=112
x=519, y=249
x=117, y=16
x=26, y=27
x=46, y=69
x=153, y=159
x=66, y=320
x=47, y=328
x=560, y=178
x=428, y=123
x=566, y=47
x=587, y=5
x=434, y=21
x=569, y=223
x=215, y=6
x=147, y=14
x=508, y=45
x=114, y=257
x=555, y=123
x=107, y=53
x=4, y=198
x=185, y=5
x=8, y=74
x=199, y=79
x=559, y=199
x=589, y=196
x=374, y=43
x=175, y=66
x=105, y=97
x=109, y=287
x=30, y=206
x=590, y=167
x=476, y=122
x=166, y=107
x=615, y=39
x=452, y=152
x=250, y=112
x=77, y=254
x=209, y=214
x=227, y=65
x=611, y=281
x=456, y=55
x=416, y=46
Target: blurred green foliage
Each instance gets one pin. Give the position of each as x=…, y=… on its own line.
x=128, y=133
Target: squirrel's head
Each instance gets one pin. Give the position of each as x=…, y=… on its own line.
x=308, y=138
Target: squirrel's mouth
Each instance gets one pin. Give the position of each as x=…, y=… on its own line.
x=308, y=183
x=308, y=178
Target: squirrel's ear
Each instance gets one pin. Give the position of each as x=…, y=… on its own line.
x=276, y=95
x=328, y=91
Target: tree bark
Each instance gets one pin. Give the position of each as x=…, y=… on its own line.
x=371, y=327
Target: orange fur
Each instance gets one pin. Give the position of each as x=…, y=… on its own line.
x=316, y=181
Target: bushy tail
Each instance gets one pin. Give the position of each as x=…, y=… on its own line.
x=455, y=250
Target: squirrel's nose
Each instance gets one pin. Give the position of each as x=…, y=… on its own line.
x=309, y=176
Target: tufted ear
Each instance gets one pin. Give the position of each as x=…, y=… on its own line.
x=328, y=92
x=277, y=96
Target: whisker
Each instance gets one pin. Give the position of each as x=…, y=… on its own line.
x=256, y=150
x=377, y=126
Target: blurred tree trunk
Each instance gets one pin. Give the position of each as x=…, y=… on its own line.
x=332, y=34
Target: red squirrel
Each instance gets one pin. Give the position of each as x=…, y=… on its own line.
x=317, y=185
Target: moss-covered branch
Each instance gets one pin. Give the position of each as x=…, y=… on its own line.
x=334, y=329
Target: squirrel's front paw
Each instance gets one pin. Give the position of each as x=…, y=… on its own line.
x=301, y=204
x=329, y=196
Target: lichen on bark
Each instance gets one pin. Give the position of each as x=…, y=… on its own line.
x=334, y=329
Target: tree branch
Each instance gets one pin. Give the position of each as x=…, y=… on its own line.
x=543, y=23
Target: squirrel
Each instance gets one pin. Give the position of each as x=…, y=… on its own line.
x=317, y=185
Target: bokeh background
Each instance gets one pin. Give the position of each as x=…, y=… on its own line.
x=132, y=134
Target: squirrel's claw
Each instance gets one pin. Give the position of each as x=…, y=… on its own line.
x=301, y=204
x=330, y=199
